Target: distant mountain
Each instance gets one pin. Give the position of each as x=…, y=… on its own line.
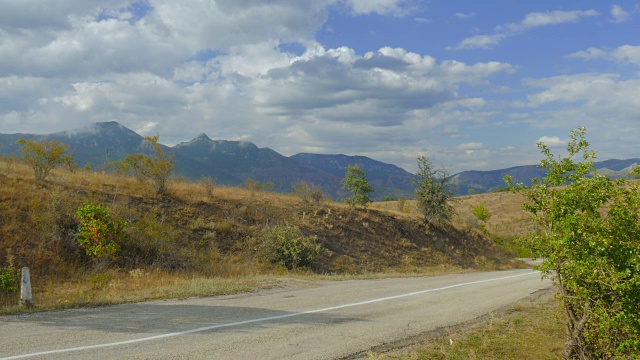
x=232, y=162
x=94, y=144
x=487, y=181
x=229, y=163
x=386, y=179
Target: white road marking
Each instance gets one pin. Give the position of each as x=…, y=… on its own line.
x=251, y=321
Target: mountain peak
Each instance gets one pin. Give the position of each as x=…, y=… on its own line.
x=201, y=137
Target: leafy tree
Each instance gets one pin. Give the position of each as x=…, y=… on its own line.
x=434, y=190
x=483, y=214
x=355, y=181
x=590, y=226
x=99, y=234
x=156, y=167
x=43, y=156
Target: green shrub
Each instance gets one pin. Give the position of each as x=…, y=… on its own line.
x=9, y=279
x=286, y=245
x=99, y=235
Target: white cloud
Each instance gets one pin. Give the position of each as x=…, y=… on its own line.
x=380, y=7
x=618, y=14
x=464, y=16
x=530, y=21
x=552, y=141
x=626, y=54
x=470, y=146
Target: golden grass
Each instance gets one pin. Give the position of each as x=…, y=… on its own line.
x=195, y=236
x=508, y=219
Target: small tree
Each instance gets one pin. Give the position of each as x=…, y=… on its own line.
x=43, y=156
x=588, y=238
x=434, y=191
x=156, y=167
x=355, y=181
x=483, y=215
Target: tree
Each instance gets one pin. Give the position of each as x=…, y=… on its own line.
x=156, y=167
x=588, y=239
x=355, y=181
x=43, y=156
x=434, y=190
x=483, y=215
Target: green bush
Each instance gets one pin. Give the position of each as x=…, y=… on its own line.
x=9, y=279
x=99, y=235
x=286, y=245
x=589, y=242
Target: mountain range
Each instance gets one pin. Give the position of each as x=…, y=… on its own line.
x=230, y=163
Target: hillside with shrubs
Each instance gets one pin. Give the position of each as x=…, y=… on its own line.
x=93, y=232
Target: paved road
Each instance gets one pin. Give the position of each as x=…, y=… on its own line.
x=327, y=320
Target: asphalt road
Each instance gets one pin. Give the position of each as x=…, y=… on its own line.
x=325, y=320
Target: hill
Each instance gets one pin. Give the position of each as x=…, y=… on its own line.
x=196, y=233
x=488, y=181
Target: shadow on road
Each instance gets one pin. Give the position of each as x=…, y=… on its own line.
x=153, y=318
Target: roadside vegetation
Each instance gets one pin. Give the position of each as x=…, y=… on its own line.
x=94, y=238
x=100, y=238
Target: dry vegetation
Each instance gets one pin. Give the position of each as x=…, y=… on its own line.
x=197, y=238
x=507, y=217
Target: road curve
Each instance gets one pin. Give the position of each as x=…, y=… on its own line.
x=328, y=320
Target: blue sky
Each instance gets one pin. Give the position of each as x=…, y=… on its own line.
x=473, y=85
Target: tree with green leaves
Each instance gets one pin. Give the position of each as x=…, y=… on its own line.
x=589, y=242
x=355, y=180
x=434, y=191
x=43, y=156
x=156, y=167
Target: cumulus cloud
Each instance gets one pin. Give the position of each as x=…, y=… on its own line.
x=380, y=7
x=626, y=54
x=552, y=141
x=530, y=21
x=595, y=101
x=618, y=14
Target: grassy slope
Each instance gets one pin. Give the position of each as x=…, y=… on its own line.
x=193, y=234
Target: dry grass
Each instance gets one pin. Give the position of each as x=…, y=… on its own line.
x=508, y=219
x=532, y=329
x=196, y=232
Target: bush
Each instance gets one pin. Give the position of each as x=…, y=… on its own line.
x=99, y=235
x=308, y=193
x=9, y=279
x=286, y=245
x=589, y=243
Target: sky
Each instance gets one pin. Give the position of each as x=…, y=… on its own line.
x=472, y=85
